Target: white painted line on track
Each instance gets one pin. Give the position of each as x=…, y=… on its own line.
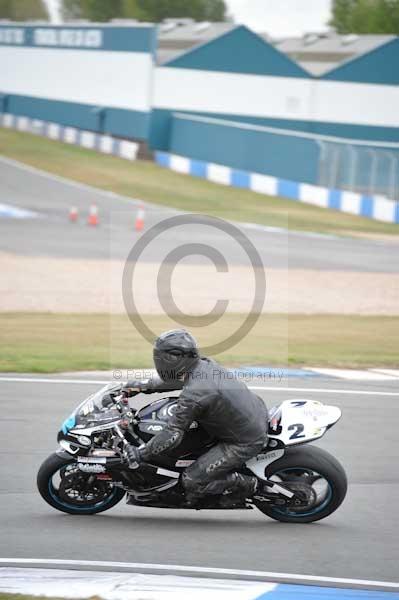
x=394, y=373
x=325, y=391
x=9, y=211
x=78, y=184
x=202, y=571
x=355, y=374
x=251, y=387
x=48, y=380
x=48, y=175
x=283, y=230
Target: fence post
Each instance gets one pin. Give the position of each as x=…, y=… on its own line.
x=352, y=168
x=323, y=165
x=373, y=170
x=390, y=192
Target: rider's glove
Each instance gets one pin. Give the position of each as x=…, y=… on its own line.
x=135, y=386
x=133, y=456
x=109, y=398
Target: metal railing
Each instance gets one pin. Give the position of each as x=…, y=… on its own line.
x=362, y=166
x=368, y=169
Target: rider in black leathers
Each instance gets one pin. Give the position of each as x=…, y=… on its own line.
x=220, y=403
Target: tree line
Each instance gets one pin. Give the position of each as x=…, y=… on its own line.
x=144, y=10
x=348, y=16
x=153, y=11
x=17, y=10
x=365, y=16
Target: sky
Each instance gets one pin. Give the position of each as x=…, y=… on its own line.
x=279, y=18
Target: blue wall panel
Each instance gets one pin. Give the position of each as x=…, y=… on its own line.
x=119, y=122
x=285, y=157
x=161, y=121
x=81, y=36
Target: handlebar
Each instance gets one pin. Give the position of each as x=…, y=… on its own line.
x=115, y=399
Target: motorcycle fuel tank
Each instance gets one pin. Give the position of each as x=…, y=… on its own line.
x=153, y=419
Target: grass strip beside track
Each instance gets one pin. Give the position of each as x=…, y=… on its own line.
x=149, y=182
x=49, y=343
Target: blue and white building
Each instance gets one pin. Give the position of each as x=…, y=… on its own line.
x=93, y=77
x=235, y=101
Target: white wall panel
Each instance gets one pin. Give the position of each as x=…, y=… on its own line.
x=358, y=103
x=115, y=79
x=232, y=93
x=276, y=97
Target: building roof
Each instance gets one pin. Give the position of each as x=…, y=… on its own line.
x=315, y=52
x=344, y=46
x=188, y=30
x=239, y=50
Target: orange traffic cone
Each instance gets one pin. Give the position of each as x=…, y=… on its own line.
x=139, y=224
x=73, y=214
x=93, y=215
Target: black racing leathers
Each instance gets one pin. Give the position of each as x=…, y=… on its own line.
x=228, y=411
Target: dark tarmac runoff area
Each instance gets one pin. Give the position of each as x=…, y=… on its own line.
x=360, y=540
x=51, y=234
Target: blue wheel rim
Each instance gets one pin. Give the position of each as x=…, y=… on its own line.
x=316, y=509
x=73, y=507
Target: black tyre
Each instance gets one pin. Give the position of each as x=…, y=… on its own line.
x=302, y=468
x=77, y=493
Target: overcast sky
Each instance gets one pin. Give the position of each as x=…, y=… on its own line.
x=276, y=17
x=281, y=17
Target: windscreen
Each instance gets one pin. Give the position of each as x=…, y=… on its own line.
x=92, y=412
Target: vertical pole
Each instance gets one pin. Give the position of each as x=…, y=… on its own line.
x=352, y=168
x=373, y=171
x=323, y=164
x=396, y=191
x=390, y=191
x=336, y=152
x=392, y=176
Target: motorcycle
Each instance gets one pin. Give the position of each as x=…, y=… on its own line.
x=89, y=473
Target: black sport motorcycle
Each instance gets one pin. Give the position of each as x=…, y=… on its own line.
x=89, y=473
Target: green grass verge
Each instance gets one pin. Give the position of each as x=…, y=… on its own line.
x=44, y=342
x=148, y=181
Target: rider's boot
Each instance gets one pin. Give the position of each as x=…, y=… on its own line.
x=242, y=487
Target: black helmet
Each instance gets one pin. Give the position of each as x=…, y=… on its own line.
x=175, y=353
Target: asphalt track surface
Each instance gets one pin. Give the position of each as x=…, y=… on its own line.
x=51, y=234
x=360, y=540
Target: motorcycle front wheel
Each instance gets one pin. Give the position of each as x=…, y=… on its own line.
x=62, y=485
x=312, y=472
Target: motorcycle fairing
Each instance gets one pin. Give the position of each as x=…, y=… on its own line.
x=299, y=421
x=259, y=463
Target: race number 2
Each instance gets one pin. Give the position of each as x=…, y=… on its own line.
x=298, y=427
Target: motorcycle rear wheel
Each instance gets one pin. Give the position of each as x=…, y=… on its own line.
x=103, y=495
x=306, y=465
